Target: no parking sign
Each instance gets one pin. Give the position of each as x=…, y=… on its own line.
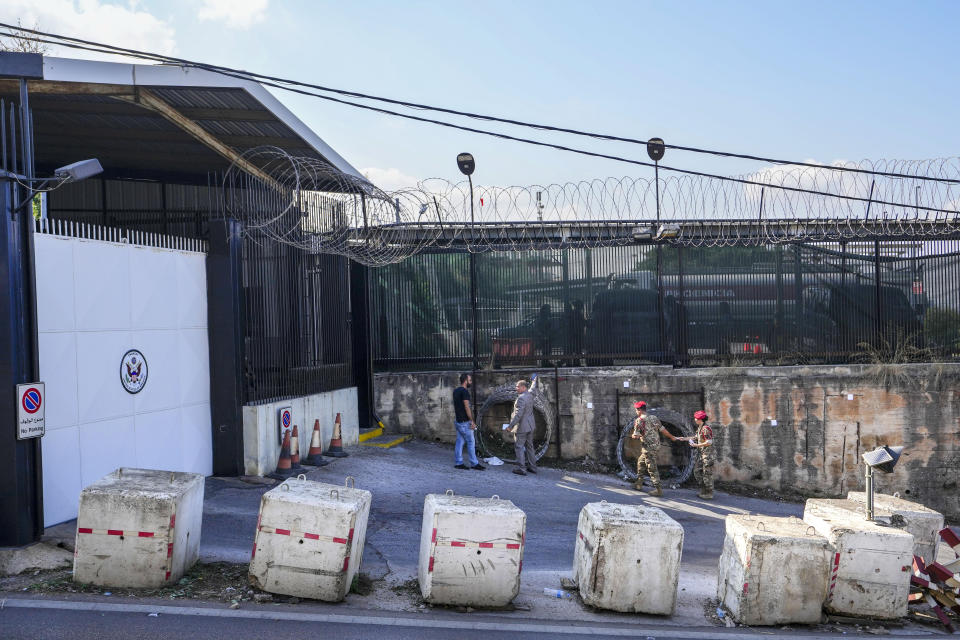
x=284, y=422
x=31, y=410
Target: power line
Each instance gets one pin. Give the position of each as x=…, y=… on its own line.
x=282, y=83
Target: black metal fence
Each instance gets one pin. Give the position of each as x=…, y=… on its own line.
x=871, y=301
x=297, y=338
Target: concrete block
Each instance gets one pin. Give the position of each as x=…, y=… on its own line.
x=627, y=558
x=309, y=539
x=773, y=570
x=925, y=524
x=138, y=528
x=871, y=567
x=471, y=550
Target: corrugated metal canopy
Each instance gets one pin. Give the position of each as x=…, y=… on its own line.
x=157, y=122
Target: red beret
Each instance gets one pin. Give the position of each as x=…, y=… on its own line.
x=640, y=405
x=700, y=415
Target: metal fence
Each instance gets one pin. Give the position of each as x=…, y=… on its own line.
x=873, y=301
x=297, y=338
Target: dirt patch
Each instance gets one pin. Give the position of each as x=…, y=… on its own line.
x=764, y=493
x=582, y=465
x=362, y=584
x=409, y=589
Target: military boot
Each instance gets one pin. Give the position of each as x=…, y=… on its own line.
x=657, y=491
x=638, y=486
x=705, y=495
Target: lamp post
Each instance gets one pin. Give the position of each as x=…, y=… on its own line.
x=882, y=459
x=467, y=165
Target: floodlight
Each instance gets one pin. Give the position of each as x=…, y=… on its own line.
x=77, y=171
x=668, y=231
x=882, y=459
x=642, y=233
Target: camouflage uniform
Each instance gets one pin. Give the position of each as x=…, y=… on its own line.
x=703, y=470
x=648, y=428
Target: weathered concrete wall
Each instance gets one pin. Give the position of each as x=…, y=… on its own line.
x=797, y=429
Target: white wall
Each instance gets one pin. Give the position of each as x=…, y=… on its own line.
x=261, y=446
x=96, y=300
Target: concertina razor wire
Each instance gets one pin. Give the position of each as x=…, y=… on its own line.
x=307, y=203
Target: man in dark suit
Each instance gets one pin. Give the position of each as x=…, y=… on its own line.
x=522, y=423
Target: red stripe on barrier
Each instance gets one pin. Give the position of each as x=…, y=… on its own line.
x=350, y=537
x=169, y=549
x=745, y=585
x=167, y=577
x=455, y=543
x=346, y=563
x=486, y=545
x=340, y=540
x=253, y=554
x=513, y=546
x=173, y=520
x=114, y=532
x=581, y=536
x=311, y=536
x=84, y=530
x=430, y=568
x=434, y=538
x=282, y=532
x=145, y=534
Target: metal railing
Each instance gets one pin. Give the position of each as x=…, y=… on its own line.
x=871, y=301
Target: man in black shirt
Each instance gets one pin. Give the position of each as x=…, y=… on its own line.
x=463, y=421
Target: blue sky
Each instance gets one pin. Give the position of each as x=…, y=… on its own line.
x=815, y=80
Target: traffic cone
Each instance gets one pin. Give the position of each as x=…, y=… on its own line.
x=283, y=464
x=295, y=450
x=336, y=442
x=315, y=455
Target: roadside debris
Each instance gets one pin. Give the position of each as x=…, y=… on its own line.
x=937, y=586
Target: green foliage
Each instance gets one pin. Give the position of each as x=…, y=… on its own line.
x=36, y=207
x=942, y=328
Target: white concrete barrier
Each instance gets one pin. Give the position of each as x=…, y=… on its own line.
x=309, y=539
x=925, y=524
x=471, y=550
x=871, y=566
x=773, y=570
x=138, y=528
x=627, y=558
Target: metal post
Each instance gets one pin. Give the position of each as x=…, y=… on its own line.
x=869, y=491
x=362, y=360
x=656, y=180
x=473, y=283
x=876, y=278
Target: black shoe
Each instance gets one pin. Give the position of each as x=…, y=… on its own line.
x=533, y=471
x=460, y=466
x=520, y=472
x=478, y=467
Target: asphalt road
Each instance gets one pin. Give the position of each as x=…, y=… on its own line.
x=137, y=622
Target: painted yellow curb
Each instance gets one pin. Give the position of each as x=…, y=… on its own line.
x=371, y=434
x=387, y=445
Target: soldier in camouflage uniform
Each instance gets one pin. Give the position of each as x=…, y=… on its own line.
x=704, y=467
x=648, y=429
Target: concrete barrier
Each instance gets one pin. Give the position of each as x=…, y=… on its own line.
x=471, y=550
x=309, y=539
x=627, y=558
x=138, y=528
x=925, y=524
x=773, y=570
x=870, y=570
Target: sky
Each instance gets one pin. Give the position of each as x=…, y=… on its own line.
x=814, y=81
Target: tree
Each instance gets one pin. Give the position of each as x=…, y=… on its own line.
x=21, y=41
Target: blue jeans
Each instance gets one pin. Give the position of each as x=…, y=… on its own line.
x=464, y=436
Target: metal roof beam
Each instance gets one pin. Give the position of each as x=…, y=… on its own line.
x=148, y=99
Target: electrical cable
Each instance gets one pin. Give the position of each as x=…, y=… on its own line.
x=282, y=83
x=594, y=154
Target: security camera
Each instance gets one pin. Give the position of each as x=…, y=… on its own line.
x=77, y=171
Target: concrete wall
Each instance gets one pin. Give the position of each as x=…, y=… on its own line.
x=799, y=429
x=96, y=300
x=261, y=440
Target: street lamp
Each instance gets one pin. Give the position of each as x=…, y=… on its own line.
x=73, y=172
x=882, y=459
x=467, y=166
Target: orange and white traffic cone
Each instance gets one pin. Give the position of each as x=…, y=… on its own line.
x=284, y=470
x=295, y=450
x=336, y=442
x=315, y=455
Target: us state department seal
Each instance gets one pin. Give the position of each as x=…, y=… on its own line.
x=133, y=371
